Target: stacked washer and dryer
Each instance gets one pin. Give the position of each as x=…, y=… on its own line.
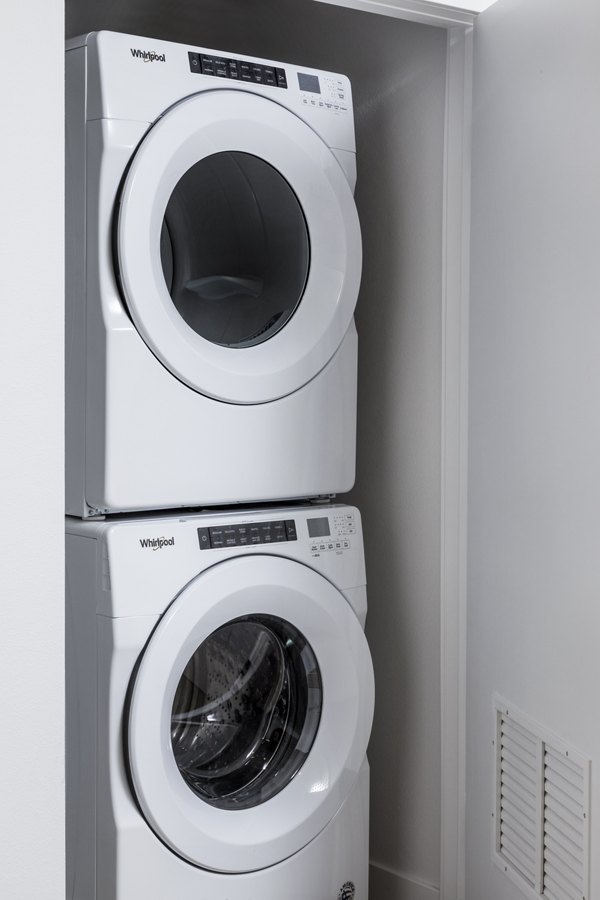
x=219, y=683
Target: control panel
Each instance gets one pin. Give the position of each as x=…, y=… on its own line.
x=328, y=92
x=248, y=534
x=332, y=532
x=237, y=69
x=313, y=90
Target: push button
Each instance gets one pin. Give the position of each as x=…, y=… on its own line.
x=208, y=66
x=245, y=71
x=194, y=59
x=221, y=68
x=217, y=538
x=230, y=537
x=204, y=538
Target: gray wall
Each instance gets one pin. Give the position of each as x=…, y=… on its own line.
x=31, y=453
x=400, y=130
x=534, y=517
x=398, y=76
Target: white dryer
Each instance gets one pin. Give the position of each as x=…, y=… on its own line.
x=219, y=704
x=213, y=266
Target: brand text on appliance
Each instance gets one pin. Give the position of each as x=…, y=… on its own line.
x=157, y=543
x=148, y=55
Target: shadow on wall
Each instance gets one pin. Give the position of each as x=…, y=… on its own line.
x=400, y=141
x=397, y=71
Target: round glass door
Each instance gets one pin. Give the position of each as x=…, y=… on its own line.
x=246, y=712
x=250, y=713
x=238, y=247
x=234, y=249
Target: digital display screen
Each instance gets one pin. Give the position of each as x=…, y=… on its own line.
x=318, y=527
x=309, y=83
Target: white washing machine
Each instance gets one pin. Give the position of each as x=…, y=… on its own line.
x=213, y=266
x=220, y=699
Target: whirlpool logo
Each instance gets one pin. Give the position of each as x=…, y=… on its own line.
x=157, y=543
x=148, y=55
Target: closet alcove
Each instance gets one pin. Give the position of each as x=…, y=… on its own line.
x=398, y=74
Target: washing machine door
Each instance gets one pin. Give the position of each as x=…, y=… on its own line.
x=238, y=247
x=250, y=714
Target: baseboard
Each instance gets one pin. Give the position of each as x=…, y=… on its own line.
x=385, y=884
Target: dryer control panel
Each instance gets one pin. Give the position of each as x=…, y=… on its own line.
x=138, y=79
x=322, y=90
x=237, y=69
x=326, y=92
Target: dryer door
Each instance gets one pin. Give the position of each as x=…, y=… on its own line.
x=250, y=714
x=238, y=247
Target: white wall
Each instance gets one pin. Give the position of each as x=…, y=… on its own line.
x=534, y=521
x=31, y=403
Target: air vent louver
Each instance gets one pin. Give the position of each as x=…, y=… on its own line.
x=518, y=821
x=565, y=827
x=542, y=809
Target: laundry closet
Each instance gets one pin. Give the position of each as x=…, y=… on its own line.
x=533, y=443
x=397, y=71
x=411, y=94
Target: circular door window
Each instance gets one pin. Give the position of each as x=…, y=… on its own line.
x=246, y=712
x=238, y=247
x=250, y=714
x=234, y=249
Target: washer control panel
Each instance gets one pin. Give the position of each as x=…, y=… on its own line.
x=248, y=534
x=332, y=532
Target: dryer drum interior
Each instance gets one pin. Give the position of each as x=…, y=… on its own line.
x=246, y=712
x=234, y=249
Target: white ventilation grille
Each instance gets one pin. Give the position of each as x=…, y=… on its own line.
x=565, y=827
x=518, y=822
x=541, y=814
